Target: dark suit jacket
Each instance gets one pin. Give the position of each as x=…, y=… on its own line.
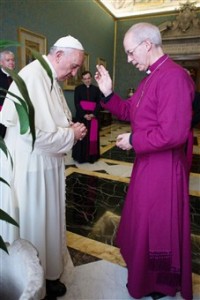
x=4, y=83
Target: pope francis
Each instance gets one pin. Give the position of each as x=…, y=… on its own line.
x=36, y=198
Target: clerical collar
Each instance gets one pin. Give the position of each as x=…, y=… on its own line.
x=157, y=64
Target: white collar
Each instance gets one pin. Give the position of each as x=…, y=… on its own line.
x=5, y=72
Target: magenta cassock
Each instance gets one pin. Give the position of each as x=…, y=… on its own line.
x=154, y=231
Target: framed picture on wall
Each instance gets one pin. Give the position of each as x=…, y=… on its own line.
x=72, y=82
x=35, y=41
x=101, y=61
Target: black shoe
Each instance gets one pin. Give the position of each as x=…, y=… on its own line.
x=50, y=298
x=55, y=288
x=156, y=295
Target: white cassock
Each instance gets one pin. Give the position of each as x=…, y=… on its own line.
x=36, y=198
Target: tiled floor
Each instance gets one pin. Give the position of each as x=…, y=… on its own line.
x=94, y=197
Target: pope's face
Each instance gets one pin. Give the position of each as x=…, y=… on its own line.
x=68, y=64
x=8, y=61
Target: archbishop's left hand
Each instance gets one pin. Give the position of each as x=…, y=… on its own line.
x=123, y=141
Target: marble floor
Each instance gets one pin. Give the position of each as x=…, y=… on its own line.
x=94, y=198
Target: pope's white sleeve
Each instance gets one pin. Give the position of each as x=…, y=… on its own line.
x=58, y=142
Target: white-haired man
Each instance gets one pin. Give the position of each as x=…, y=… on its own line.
x=7, y=61
x=37, y=195
x=154, y=231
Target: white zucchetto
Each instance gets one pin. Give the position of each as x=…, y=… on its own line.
x=68, y=42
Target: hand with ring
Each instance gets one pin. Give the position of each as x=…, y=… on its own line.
x=79, y=131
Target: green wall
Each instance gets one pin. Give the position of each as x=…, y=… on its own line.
x=83, y=19
x=87, y=21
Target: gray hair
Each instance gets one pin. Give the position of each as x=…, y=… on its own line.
x=3, y=53
x=146, y=31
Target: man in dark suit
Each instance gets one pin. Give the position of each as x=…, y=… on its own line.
x=7, y=60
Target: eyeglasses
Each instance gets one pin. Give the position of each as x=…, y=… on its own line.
x=131, y=52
